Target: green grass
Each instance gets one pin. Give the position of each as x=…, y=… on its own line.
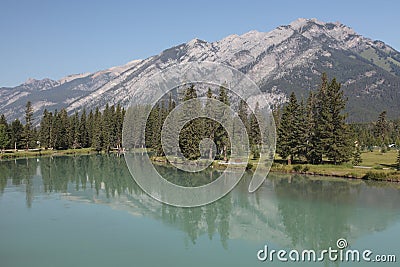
x=376, y=158
x=33, y=154
x=380, y=166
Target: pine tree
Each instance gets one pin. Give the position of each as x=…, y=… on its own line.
x=35, y=136
x=45, y=132
x=119, y=119
x=153, y=129
x=210, y=125
x=302, y=131
x=90, y=128
x=16, y=133
x=64, y=120
x=55, y=131
x=163, y=113
x=113, y=127
x=73, y=132
x=83, y=130
x=3, y=121
x=243, y=113
x=223, y=95
x=106, y=127
x=168, y=132
x=28, y=124
x=97, y=131
x=381, y=130
x=322, y=120
x=276, y=114
x=331, y=136
x=289, y=142
x=135, y=118
x=338, y=140
x=254, y=133
x=4, y=132
x=190, y=135
x=60, y=129
x=4, y=138
x=313, y=150
x=221, y=135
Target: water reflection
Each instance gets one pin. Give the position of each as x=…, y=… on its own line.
x=290, y=211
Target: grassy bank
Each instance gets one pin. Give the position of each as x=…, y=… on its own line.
x=45, y=152
x=375, y=166
x=345, y=171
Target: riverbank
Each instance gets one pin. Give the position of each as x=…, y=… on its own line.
x=346, y=171
x=375, y=165
x=45, y=152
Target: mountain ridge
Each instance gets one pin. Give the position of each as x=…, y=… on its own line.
x=289, y=58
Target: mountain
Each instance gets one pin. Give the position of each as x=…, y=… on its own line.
x=288, y=58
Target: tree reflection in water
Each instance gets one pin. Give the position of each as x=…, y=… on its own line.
x=291, y=211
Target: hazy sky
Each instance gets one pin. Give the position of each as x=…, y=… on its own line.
x=53, y=39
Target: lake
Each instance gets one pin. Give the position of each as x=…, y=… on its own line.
x=88, y=211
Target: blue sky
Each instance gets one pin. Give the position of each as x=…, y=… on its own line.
x=53, y=39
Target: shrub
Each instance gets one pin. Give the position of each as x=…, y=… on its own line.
x=296, y=168
x=375, y=175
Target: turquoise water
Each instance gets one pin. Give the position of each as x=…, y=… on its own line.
x=87, y=211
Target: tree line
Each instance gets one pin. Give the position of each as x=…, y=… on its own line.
x=310, y=130
x=315, y=129
x=196, y=130
x=101, y=130
x=383, y=133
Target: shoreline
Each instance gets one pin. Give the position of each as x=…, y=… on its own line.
x=337, y=171
x=38, y=153
x=366, y=177
x=327, y=170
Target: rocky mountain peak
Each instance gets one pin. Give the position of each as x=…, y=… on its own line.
x=43, y=84
x=289, y=58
